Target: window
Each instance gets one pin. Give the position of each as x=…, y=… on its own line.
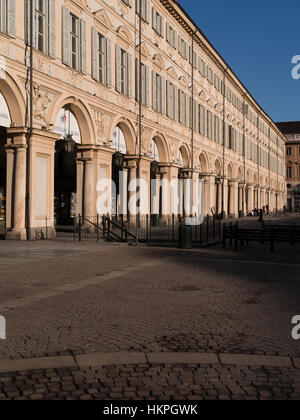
x=74, y=41
x=40, y=23
x=195, y=57
x=289, y=151
x=145, y=83
x=101, y=58
x=289, y=172
x=171, y=36
x=8, y=17
x=123, y=72
x=44, y=26
x=158, y=93
x=142, y=6
x=157, y=22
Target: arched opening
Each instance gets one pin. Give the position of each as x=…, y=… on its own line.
x=297, y=198
x=119, y=177
x=65, y=182
x=5, y=122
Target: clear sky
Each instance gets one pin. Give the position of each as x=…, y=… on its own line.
x=258, y=39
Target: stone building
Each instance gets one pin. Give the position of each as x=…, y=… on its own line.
x=198, y=120
x=291, y=130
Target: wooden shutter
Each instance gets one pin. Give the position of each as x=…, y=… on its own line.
x=66, y=38
x=52, y=28
x=137, y=79
x=154, y=25
x=129, y=75
x=108, y=62
x=162, y=26
x=83, y=46
x=147, y=86
x=11, y=18
x=154, y=90
x=95, y=55
x=163, y=95
x=147, y=17
x=118, y=68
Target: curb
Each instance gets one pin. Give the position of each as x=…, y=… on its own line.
x=119, y=359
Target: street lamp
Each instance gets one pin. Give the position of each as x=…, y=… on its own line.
x=69, y=143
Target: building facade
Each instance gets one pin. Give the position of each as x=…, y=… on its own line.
x=131, y=83
x=291, y=130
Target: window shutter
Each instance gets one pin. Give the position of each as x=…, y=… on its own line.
x=163, y=95
x=11, y=18
x=162, y=26
x=168, y=33
x=154, y=25
x=108, y=62
x=144, y=85
x=118, y=68
x=154, y=90
x=129, y=74
x=137, y=79
x=52, y=29
x=147, y=17
x=66, y=39
x=95, y=56
x=168, y=99
x=83, y=46
x=147, y=86
x=27, y=27
x=176, y=103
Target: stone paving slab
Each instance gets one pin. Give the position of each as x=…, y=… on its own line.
x=254, y=360
x=130, y=358
x=110, y=359
x=182, y=358
x=37, y=363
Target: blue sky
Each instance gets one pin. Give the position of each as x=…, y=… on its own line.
x=258, y=40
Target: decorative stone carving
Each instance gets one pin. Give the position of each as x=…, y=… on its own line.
x=41, y=102
x=102, y=121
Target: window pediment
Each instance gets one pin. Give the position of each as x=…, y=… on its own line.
x=124, y=34
x=158, y=60
x=102, y=17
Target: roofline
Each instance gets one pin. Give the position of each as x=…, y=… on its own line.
x=225, y=65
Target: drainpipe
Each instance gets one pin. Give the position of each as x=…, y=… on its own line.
x=224, y=139
x=138, y=186
x=29, y=134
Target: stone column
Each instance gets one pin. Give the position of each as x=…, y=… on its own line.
x=132, y=191
x=250, y=198
x=10, y=156
x=225, y=189
x=19, y=198
x=123, y=185
x=165, y=194
x=211, y=180
x=79, y=186
x=233, y=204
x=89, y=187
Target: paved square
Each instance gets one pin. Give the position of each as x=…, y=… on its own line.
x=148, y=322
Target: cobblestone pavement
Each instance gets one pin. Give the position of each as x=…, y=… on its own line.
x=154, y=382
x=61, y=297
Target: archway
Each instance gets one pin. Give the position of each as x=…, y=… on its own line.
x=65, y=173
x=5, y=122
